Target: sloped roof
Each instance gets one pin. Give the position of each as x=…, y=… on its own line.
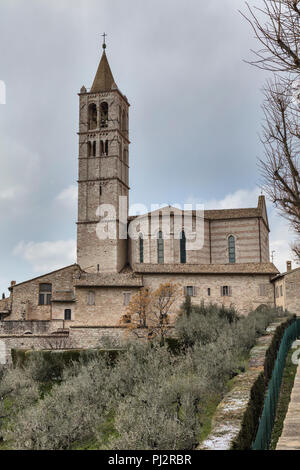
x=218, y=214
x=236, y=268
x=46, y=275
x=286, y=273
x=109, y=280
x=104, y=79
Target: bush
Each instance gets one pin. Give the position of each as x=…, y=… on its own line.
x=48, y=365
x=156, y=393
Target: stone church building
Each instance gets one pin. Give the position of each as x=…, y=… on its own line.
x=86, y=300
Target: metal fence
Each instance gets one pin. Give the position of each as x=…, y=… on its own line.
x=264, y=432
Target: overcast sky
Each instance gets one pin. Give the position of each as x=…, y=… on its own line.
x=194, y=119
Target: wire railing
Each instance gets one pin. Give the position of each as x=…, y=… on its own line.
x=266, y=423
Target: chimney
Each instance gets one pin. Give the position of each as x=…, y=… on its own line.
x=288, y=265
x=13, y=283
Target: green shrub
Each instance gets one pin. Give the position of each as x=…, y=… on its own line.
x=156, y=393
x=48, y=365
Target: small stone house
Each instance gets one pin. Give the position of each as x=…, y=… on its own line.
x=287, y=289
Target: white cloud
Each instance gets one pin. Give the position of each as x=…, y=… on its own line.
x=47, y=256
x=10, y=193
x=68, y=197
x=281, y=237
x=236, y=200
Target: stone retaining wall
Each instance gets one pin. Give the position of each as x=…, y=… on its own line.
x=33, y=326
x=39, y=341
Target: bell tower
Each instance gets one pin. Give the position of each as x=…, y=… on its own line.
x=103, y=174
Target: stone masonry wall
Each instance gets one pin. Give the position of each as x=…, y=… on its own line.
x=249, y=233
x=42, y=341
x=245, y=289
x=292, y=292
x=25, y=296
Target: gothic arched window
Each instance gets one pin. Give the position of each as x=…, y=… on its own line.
x=94, y=148
x=231, y=249
x=182, y=248
x=104, y=114
x=160, y=248
x=106, y=147
x=92, y=116
x=141, y=248
x=101, y=147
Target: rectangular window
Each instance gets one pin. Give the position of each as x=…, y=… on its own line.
x=126, y=298
x=68, y=314
x=45, y=291
x=190, y=290
x=91, y=298
x=225, y=291
x=208, y=291
x=262, y=290
x=281, y=291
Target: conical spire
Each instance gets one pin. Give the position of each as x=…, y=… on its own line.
x=104, y=78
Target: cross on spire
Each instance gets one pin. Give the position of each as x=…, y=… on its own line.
x=104, y=43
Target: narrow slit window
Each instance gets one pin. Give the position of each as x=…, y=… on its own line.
x=68, y=314
x=160, y=248
x=231, y=249
x=141, y=247
x=126, y=298
x=182, y=248
x=91, y=298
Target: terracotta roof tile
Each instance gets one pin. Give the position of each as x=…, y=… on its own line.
x=109, y=280
x=237, y=268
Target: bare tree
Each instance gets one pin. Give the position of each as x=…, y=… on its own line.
x=63, y=342
x=281, y=139
x=150, y=310
x=276, y=26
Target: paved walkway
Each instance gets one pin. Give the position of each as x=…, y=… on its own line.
x=290, y=437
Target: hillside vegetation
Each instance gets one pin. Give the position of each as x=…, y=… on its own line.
x=155, y=395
